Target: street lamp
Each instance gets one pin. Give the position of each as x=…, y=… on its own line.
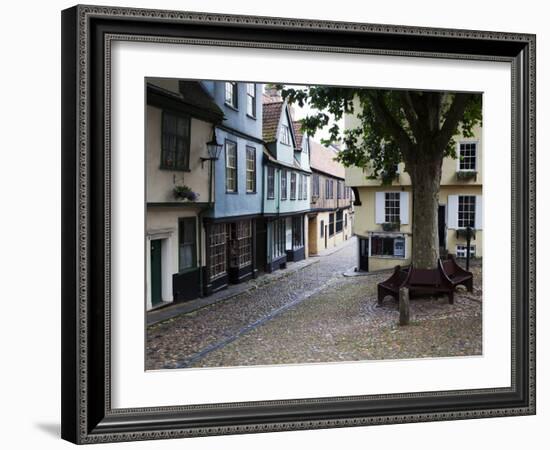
x=213, y=148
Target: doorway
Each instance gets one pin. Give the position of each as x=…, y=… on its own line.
x=364, y=254
x=156, y=271
x=441, y=229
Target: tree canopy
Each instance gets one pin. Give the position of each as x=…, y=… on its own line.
x=391, y=125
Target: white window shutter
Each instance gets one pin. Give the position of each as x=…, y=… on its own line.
x=452, y=212
x=404, y=208
x=479, y=213
x=380, y=207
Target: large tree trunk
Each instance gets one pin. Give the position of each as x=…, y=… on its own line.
x=426, y=179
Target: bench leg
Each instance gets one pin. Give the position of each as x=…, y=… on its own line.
x=380, y=296
x=470, y=285
x=451, y=297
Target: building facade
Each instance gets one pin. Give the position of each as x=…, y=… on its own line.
x=383, y=214
x=331, y=215
x=201, y=212
x=286, y=196
x=230, y=225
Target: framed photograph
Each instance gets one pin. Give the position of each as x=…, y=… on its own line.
x=279, y=224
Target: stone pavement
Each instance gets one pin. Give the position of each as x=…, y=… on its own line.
x=186, y=334
x=173, y=310
x=316, y=315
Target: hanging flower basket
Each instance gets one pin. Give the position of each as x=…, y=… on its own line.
x=185, y=193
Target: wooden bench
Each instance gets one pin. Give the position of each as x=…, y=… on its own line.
x=392, y=285
x=423, y=282
x=456, y=274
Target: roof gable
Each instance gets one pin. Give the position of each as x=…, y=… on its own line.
x=274, y=114
x=271, y=117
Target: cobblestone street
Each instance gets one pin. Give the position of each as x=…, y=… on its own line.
x=315, y=314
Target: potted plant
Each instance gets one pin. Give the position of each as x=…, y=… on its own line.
x=183, y=192
x=391, y=226
x=466, y=175
x=462, y=233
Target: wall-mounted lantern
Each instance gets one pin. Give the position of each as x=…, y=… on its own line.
x=213, y=148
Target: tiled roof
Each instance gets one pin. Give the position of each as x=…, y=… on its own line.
x=298, y=133
x=322, y=159
x=271, y=116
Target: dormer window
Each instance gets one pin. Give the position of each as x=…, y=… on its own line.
x=285, y=135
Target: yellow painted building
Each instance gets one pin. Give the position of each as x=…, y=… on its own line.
x=331, y=214
x=383, y=214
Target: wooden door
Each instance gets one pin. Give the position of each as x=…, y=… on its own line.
x=364, y=254
x=156, y=272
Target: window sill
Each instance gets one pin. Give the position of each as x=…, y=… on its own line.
x=230, y=106
x=191, y=269
x=251, y=117
x=174, y=169
x=232, y=192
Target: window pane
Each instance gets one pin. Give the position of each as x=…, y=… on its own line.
x=187, y=243
x=250, y=169
x=186, y=257
x=467, y=156
x=284, y=175
x=230, y=166
x=392, y=208
x=217, y=251
x=175, y=141
x=270, y=182
x=229, y=88
x=466, y=211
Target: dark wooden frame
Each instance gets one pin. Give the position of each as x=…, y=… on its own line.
x=87, y=33
x=188, y=149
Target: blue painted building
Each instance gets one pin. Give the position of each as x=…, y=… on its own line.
x=230, y=225
x=201, y=212
x=286, y=196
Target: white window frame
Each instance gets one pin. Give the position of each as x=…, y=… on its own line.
x=284, y=135
x=250, y=169
x=466, y=141
x=233, y=169
x=398, y=208
x=393, y=236
x=458, y=210
x=233, y=99
x=462, y=252
x=251, y=94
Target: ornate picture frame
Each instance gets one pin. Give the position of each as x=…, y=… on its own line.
x=87, y=35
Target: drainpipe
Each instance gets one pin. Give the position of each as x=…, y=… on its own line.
x=201, y=225
x=279, y=196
